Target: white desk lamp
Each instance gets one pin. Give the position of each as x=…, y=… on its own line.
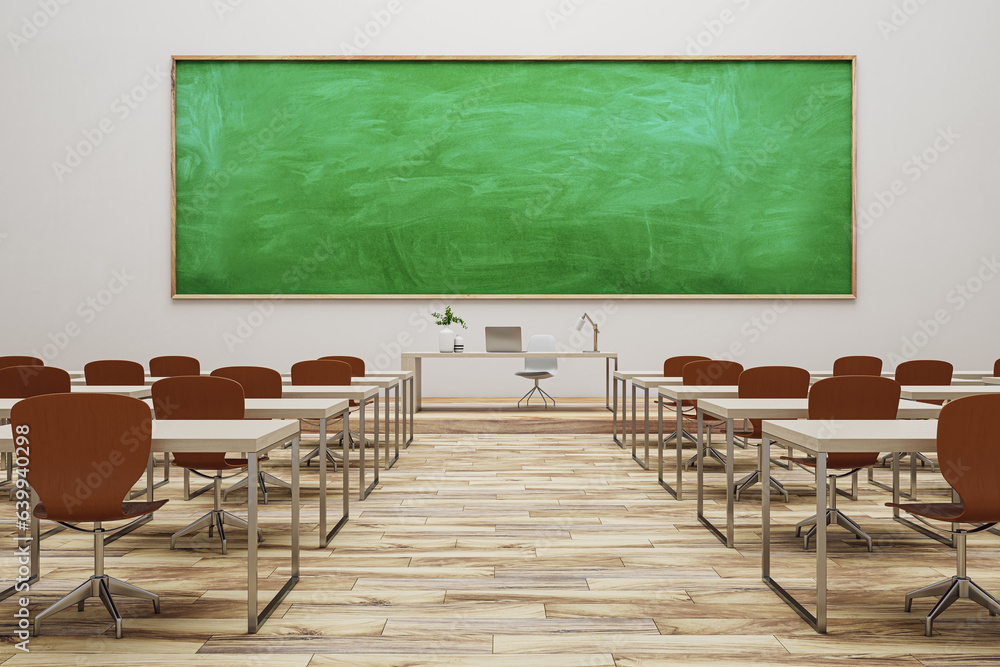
x=583, y=320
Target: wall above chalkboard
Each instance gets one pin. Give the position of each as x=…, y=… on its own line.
x=306, y=177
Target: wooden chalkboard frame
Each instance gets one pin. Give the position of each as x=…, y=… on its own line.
x=173, y=178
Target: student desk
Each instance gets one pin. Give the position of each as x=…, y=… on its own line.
x=361, y=394
x=732, y=409
x=645, y=383
x=413, y=361
x=820, y=438
x=213, y=436
x=949, y=393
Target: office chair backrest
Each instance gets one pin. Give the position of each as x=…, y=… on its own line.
x=927, y=372
x=257, y=381
x=198, y=397
x=87, y=450
x=321, y=372
x=541, y=343
x=357, y=364
x=28, y=381
x=712, y=372
x=858, y=365
x=854, y=397
x=114, y=372
x=6, y=362
x=674, y=366
x=771, y=382
x=968, y=448
x=172, y=366
x=996, y=368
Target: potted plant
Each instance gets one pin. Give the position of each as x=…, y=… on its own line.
x=446, y=337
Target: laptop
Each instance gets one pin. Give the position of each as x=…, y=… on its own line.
x=503, y=339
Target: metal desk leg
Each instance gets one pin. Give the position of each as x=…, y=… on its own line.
x=413, y=408
x=896, y=493
x=402, y=389
x=324, y=536
x=633, y=422
x=255, y=620
x=726, y=538
x=645, y=428
x=607, y=382
x=363, y=490
x=675, y=492
x=390, y=463
x=614, y=412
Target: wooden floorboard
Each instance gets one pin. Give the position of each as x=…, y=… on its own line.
x=501, y=548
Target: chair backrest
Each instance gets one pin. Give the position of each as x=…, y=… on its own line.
x=198, y=397
x=968, y=448
x=859, y=365
x=28, y=381
x=674, y=366
x=712, y=372
x=541, y=343
x=257, y=381
x=172, y=366
x=114, y=372
x=87, y=450
x=321, y=372
x=996, y=368
x=854, y=397
x=357, y=364
x=32, y=361
x=771, y=382
x=925, y=372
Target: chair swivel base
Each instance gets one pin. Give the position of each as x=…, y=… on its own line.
x=753, y=479
x=951, y=589
x=833, y=516
x=261, y=478
x=541, y=392
x=708, y=451
x=102, y=587
x=216, y=519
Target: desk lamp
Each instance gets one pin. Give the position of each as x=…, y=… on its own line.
x=583, y=320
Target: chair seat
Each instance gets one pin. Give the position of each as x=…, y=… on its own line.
x=129, y=511
x=541, y=375
x=939, y=511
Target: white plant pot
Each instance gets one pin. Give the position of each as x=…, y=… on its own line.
x=446, y=340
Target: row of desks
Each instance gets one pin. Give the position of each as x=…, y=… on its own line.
x=786, y=424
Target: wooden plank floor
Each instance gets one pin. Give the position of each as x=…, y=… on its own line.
x=515, y=550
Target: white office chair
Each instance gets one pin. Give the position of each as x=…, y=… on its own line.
x=539, y=368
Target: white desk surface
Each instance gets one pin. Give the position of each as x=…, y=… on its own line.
x=514, y=355
x=205, y=435
x=647, y=382
x=991, y=380
x=958, y=375
x=121, y=390
x=628, y=375
x=794, y=408
x=872, y=435
x=382, y=381
x=694, y=392
x=403, y=375
x=354, y=392
x=948, y=393
x=293, y=408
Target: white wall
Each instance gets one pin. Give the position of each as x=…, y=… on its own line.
x=922, y=74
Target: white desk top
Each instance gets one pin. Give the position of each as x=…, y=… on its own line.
x=948, y=393
x=908, y=435
x=206, y=435
x=403, y=375
x=120, y=390
x=694, y=392
x=515, y=355
x=294, y=408
x=628, y=375
x=354, y=392
x=958, y=375
x=991, y=380
x=794, y=408
x=647, y=382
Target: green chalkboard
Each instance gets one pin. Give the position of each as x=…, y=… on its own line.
x=393, y=177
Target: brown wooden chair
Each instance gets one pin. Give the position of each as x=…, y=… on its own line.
x=28, y=381
x=674, y=367
x=196, y=397
x=927, y=372
x=768, y=382
x=859, y=365
x=20, y=361
x=257, y=382
x=357, y=364
x=847, y=397
x=996, y=368
x=108, y=372
x=968, y=448
x=87, y=450
x=324, y=372
x=173, y=366
x=712, y=372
